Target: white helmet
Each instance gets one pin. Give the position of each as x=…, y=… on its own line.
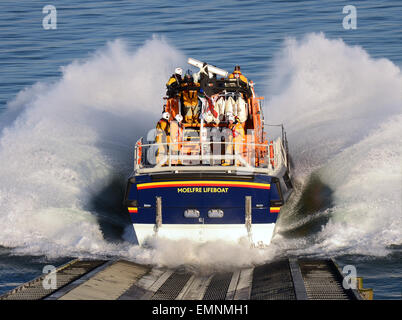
x=179, y=117
x=166, y=115
x=231, y=117
x=178, y=71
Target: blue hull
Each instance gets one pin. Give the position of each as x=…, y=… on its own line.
x=226, y=193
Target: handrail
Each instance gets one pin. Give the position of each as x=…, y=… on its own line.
x=172, y=153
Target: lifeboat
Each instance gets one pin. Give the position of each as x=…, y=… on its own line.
x=224, y=176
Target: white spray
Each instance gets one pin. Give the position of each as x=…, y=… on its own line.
x=343, y=113
x=61, y=142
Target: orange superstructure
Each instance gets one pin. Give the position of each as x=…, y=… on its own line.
x=253, y=125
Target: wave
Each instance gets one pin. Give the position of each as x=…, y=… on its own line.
x=63, y=144
x=343, y=113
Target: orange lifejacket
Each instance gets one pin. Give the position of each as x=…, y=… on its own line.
x=238, y=140
x=238, y=133
x=172, y=106
x=237, y=74
x=176, y=133
x=163, y=130
x=173, y=83
x=172, y=80
x=190, y=97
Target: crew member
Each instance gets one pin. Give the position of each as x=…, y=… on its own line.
x=174, y=82
x=189, y=97
x=239, y=107
x=236, y=74
x=176, y=137
x=229, y=139
x=238, y=139
x=210, y=110
x=162, y=136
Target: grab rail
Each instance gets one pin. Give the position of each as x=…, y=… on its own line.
x=208, y=156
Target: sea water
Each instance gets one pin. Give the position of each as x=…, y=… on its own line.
x=74, y=98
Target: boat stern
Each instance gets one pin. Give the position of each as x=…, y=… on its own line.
x=234, y=209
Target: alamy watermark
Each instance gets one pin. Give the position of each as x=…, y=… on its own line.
x=350, y=278
x=49, y=22
x=50, y=280
x=350, y=20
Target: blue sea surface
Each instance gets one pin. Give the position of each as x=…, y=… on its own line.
x=222, y=32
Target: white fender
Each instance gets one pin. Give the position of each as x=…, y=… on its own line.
x=220, y=106
x=230, y=106
x=241, y=109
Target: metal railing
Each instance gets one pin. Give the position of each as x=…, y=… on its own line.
x=209, y=156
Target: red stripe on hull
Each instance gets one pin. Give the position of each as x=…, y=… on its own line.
x=203, y=185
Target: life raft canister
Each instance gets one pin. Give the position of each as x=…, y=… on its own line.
x=271, y=154
x=139, y=152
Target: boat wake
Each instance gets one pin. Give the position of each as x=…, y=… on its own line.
x=65, y=143
x=344, y=114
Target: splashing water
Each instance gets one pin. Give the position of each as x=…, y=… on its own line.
x=343, y=113
x=67, y=140
x=61, y=143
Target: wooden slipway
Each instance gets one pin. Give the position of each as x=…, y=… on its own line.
x=286, y=279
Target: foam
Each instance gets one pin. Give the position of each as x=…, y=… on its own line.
x=62, y=142
x=342, y=110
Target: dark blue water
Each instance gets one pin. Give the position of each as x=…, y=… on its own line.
x=224, y=33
